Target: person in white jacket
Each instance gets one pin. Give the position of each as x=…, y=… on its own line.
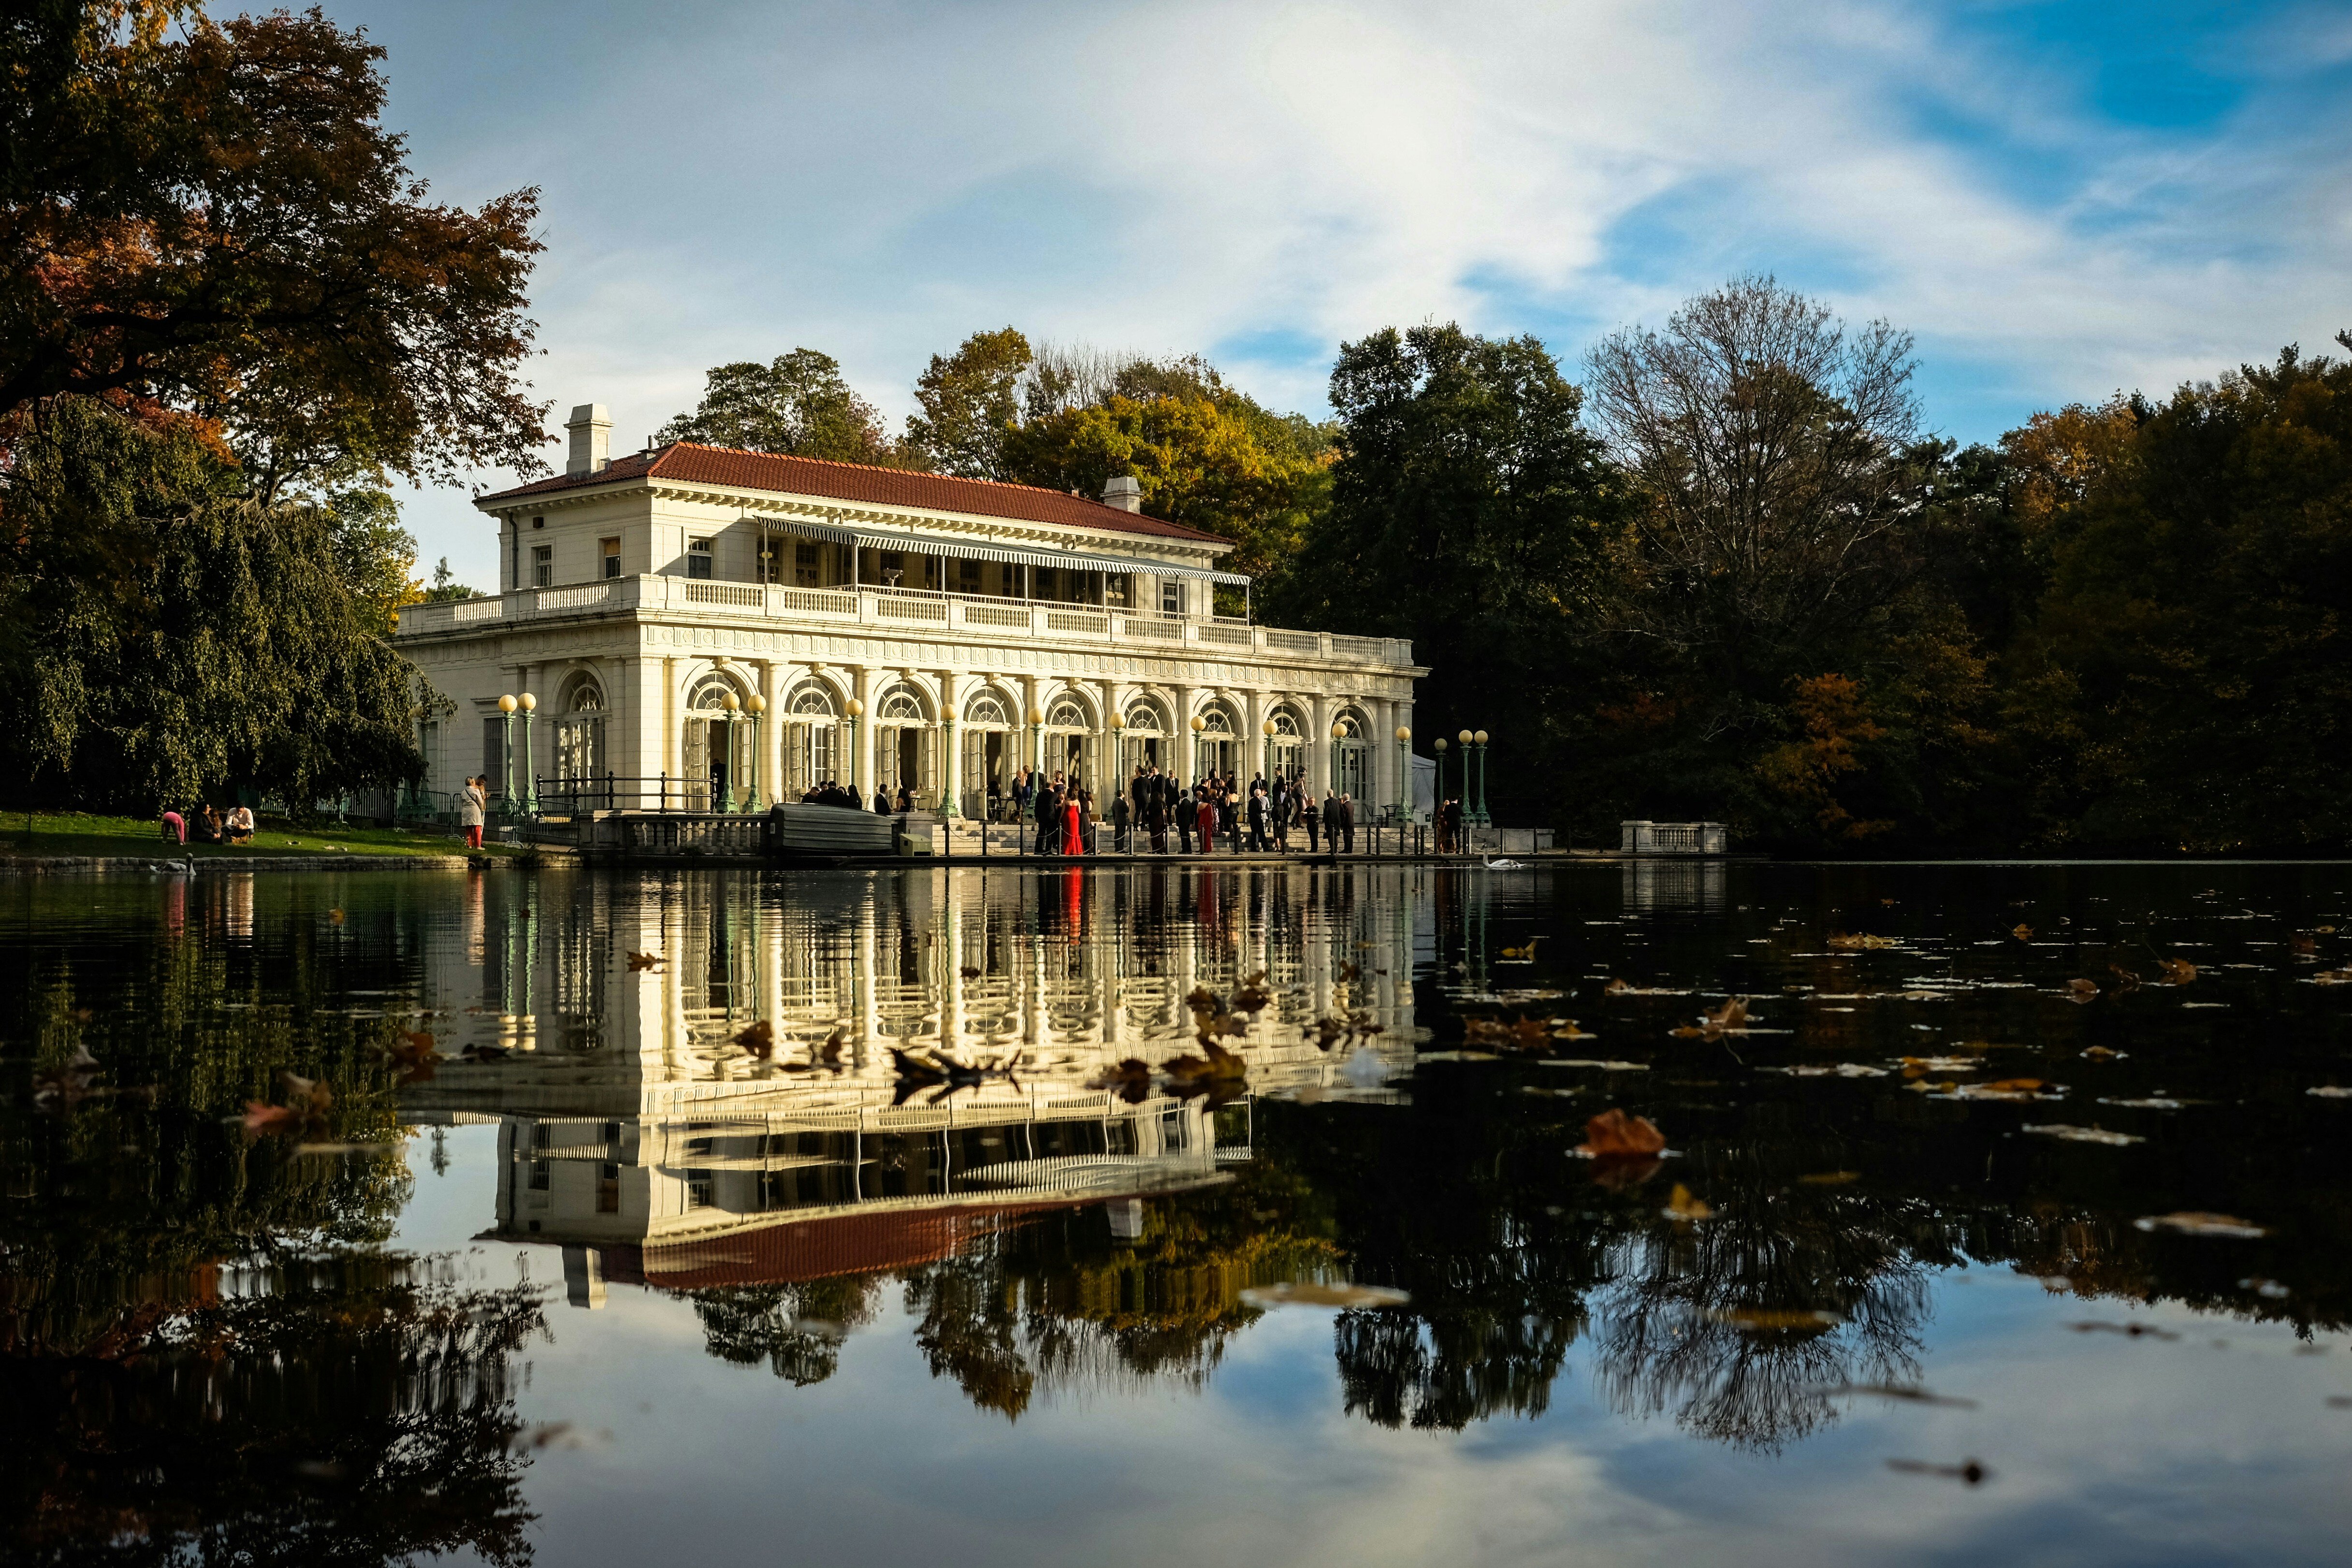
x=473, y=805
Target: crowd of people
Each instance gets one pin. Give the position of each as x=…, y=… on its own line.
x=1158, y=812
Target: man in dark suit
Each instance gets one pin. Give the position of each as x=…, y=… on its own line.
x=1347, y=823
x=1311, y=816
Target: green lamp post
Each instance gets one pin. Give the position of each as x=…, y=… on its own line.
x=1199, y=724
x=1480, y=738
x=527, y=703
x=854, y=707
x=505, y=754
x=728, y=700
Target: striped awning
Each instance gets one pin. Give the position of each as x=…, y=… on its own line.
x=981, y=550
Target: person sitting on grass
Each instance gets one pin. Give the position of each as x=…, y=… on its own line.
x=207, y=825
x=240, y=825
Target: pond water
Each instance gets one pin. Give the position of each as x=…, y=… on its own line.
x=2011, y=1219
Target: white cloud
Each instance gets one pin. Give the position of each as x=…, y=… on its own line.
x=879, y=181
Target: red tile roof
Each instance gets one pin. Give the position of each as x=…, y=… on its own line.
x=683, y=460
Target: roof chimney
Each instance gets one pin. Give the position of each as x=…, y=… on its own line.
x=1124, y=493
x=591, y=440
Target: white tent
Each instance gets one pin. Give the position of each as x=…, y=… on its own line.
x=1424, y=787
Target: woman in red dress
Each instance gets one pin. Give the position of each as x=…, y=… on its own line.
x=1208, y=826
x=1073, y=839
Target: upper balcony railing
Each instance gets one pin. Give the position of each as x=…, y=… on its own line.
x=904, y=610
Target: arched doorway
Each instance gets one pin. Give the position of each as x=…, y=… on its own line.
x=1351, y=759
x=990, y=755
x=579, y=747
x=1144, y=742
x=1216, y=747
x=812, y=738
x=1286, y=749
x=718, y=747
x=1069, y=728
x=902, y=746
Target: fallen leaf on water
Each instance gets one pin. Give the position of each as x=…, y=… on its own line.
x=2174, y=972
x=1774, y=1320
x=1831, y=1178
x=1591, y=1062
x=2073, y=1134
x=260, y=1117
x=2125, y=979
x=1681, y=1205
x=1354, y=1297
x=1841, y=1069
x=2301, y=944
x=2021, y=931
x=1732, y=1014
x=2193, y=1222
x=1131, y=1078
x=334, y=917
x=2330, y=1091
x=2102, y=1053
x=759, y=1038
x=2333, y=977
x=1615, y=1135
x=2129, y=1331
x=1972, y=1471
x=644, y=961
x=1909, y=1392
x=1523, y=952
x=1849, y=944
x=2081, y=991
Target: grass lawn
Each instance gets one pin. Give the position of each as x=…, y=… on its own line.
x=77, y=833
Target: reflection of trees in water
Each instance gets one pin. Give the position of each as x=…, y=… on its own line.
x=1707, y=1321
x=797, y=1329
x=351, y=1414
x=1446, y=1369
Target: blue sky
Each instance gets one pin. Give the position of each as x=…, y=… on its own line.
x=2059, y=200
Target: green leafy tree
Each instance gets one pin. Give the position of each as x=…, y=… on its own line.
x=233, y=649
x=968, y=400
x=797, y=406
x=1470, y=510
x=375, y=555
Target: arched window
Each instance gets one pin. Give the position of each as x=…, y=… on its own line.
x=583, y=694
x=1285, y=723
x=710, y=694
x=720, y=764
x=903, y=751
x=1348, y=727
x=900, y=705
x=812, y=722
x=812, y=703
x=1215, y=723
x=1143, y=718
x=1351, y=757
x=987, y=710
x=1065, y=714
x=579, y=744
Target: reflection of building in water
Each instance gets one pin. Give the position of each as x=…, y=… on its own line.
x=1679, y=886
x=630, y=1121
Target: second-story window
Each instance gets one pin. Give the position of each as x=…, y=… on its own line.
x=543, y=565
x=1171, y=595
x=612, y=549
x=804, y=569
x=697, y=558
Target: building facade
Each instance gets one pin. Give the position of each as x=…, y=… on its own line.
x=706, y=630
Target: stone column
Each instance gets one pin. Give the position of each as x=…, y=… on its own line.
x=775, y=679
x=1255, y=705
x=869, y=685
x=1320, y=709
x=668, y=717
x=1035, y=751
x=1181, y=738
x=1110, y=766
x=950, y=759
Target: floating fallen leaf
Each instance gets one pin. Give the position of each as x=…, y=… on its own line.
x=2081, y=991
x=1831, y=1178
x=261, y=1117
x=1616, y=988
x=1355, y=1298
x=2021, y=931
x=2129, y=1331
x=2081, y=1134
x=2300, y=943
x=2330, y=1091
x=1590, y=1062
x=1615, y=1135
x=2102, y=1053
x=1844, y=942
x=1908, y=1392
x=2192, y=1222
x=2333, y=977
x=2125, y=979
x=334, y=917
x=1681, y=1205
x=1775, y=1320
x=644, y=961
x=1972, y=1471
x=759, y=1038
x=1130, y=1078
x=1216, y=1064
x=1732, y=1014
x=1841, y=1069
x=2159, y=1103
x=2174, y=972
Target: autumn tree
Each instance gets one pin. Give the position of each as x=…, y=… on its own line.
x=210, y=217
x=797, y=406
x=967, y=401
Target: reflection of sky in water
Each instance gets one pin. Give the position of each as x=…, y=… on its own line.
x=2103, y=1447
